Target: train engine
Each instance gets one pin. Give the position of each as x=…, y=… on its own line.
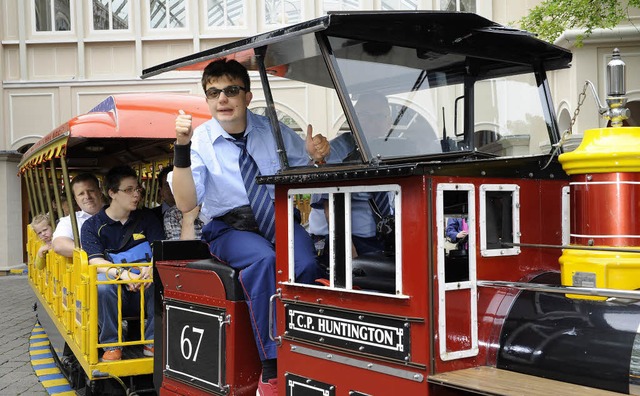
x=498, y=269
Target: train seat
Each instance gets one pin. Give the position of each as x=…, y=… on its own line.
x=228, y=276
x=180, y=250
x=456, y=264
x=375, y=271
x=194, y=254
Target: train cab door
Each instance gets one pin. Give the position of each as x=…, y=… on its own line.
x=457, y=315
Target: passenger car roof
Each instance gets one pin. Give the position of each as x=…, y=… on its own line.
x=127, y=126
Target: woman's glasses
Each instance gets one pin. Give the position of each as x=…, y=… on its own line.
x=230, y=91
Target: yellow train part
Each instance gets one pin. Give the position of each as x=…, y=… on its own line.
x=66, y=289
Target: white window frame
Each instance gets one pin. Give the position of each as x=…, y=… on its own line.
x=72, y=23
x=304, y=11
x=347, y=191
x=484, y=8
x=364, y=5
x=417, y=7
x=515, y=218
x=445, y=287
x=246, y=29
x=111, y=30
x=566, y=215
x=168, y=29
x=457, y=5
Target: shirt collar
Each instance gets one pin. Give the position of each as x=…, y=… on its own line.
x=105, y=218
x=82, y=214
x=216, y=131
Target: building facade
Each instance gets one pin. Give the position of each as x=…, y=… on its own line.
x=61, y=57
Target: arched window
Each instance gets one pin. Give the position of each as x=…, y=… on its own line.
x=284, y=118
x=410, y=134
x=564, y=120
x=282, y=12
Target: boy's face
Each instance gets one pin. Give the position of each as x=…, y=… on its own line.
x=231, y=112
x=128, y=195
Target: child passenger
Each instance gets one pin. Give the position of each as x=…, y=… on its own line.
x=42, y=227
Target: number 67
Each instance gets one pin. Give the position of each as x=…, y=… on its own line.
x=185, y=343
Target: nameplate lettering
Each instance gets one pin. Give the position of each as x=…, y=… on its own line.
x=360, y=332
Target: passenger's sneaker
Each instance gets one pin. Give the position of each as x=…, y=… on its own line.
x=147, y=350
x=112, y=355
x=269, y=388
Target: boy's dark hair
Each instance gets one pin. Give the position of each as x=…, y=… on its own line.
x=162, y=176
x=226, y=68
x=115, y=176
x=85, y=177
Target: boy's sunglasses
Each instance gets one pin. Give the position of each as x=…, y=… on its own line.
x=230, y=91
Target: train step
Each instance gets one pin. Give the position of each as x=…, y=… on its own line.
x=493, y=381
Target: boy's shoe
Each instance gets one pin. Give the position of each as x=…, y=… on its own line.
x=269, y=388
x=147, y=350
x=112, y=355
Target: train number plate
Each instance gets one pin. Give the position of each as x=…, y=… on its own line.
x=195, y=345
x=301, y=386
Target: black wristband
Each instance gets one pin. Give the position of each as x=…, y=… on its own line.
x=182, y=155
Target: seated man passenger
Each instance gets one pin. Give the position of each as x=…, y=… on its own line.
x=384, y=132
x=363, y=222
x=41, y=225
x=367, y=209
x=119, y=227
x=86, y=192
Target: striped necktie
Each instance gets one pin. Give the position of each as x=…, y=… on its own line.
x=258, y=195
x=381, y=200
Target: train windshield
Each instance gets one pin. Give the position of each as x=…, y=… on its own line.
x=412, y=103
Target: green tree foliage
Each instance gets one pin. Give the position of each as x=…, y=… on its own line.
x=552, y=17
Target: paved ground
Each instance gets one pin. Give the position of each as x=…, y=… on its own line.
x=17, y=319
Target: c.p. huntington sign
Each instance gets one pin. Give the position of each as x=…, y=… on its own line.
x=359, y=332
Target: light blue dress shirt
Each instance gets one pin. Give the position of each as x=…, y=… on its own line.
x=214, y=162
x=362, y=217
